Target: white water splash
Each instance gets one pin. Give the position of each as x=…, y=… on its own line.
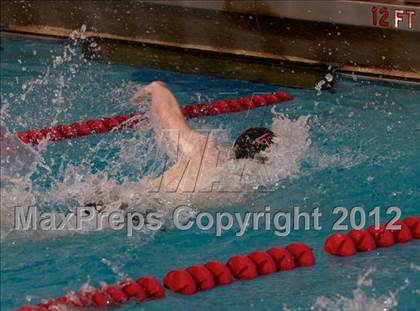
x=18, y=163
x=361, y=300
x=78, y=185
x=115, y=269
x=81, y=186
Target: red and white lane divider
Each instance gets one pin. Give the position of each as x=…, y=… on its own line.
x=114, y=295
x=242, y=267
x=348, y=244
x=111, y=123
x=185, y=281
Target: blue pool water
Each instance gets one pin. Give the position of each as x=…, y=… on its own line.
x=365, y=150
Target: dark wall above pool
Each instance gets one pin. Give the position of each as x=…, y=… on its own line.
x=364, y=37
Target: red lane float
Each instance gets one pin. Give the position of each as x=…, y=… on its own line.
x=347, y=244
x=152, y=287
x=133, y=290
x=113, y=295
x=116, y=293
x=219, y=271
x=339, y=244
x=363, y=240
x=383, y=237
x=413, y=223
x=241, y=267
x=180, y=281
x=202, y=277
x=184, y=281
x=111, y=123
x=283, y=259
x=264, y=263
x=302, y=253
x=403, y=235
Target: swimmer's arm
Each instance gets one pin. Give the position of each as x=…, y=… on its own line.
x=167, y=116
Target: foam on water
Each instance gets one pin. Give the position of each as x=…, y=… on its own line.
x=18, y=163
x=363, y=298
x=291, y=144
x=79, y=186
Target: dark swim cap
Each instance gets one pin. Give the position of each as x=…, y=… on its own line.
x=252, y=142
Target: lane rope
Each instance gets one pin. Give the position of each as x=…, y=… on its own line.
x=118, y=122
x=206, y=276
x=241, y=267
x=361, y=240
x=113, y=295
x=183, y=281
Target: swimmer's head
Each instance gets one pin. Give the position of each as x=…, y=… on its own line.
x=251, y=142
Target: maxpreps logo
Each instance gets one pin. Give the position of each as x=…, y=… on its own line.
x=204, y=169
x=84, y=219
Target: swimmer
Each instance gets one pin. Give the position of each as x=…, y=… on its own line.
x=196, y=155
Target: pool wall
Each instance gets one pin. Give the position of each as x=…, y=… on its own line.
x=269, y=41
